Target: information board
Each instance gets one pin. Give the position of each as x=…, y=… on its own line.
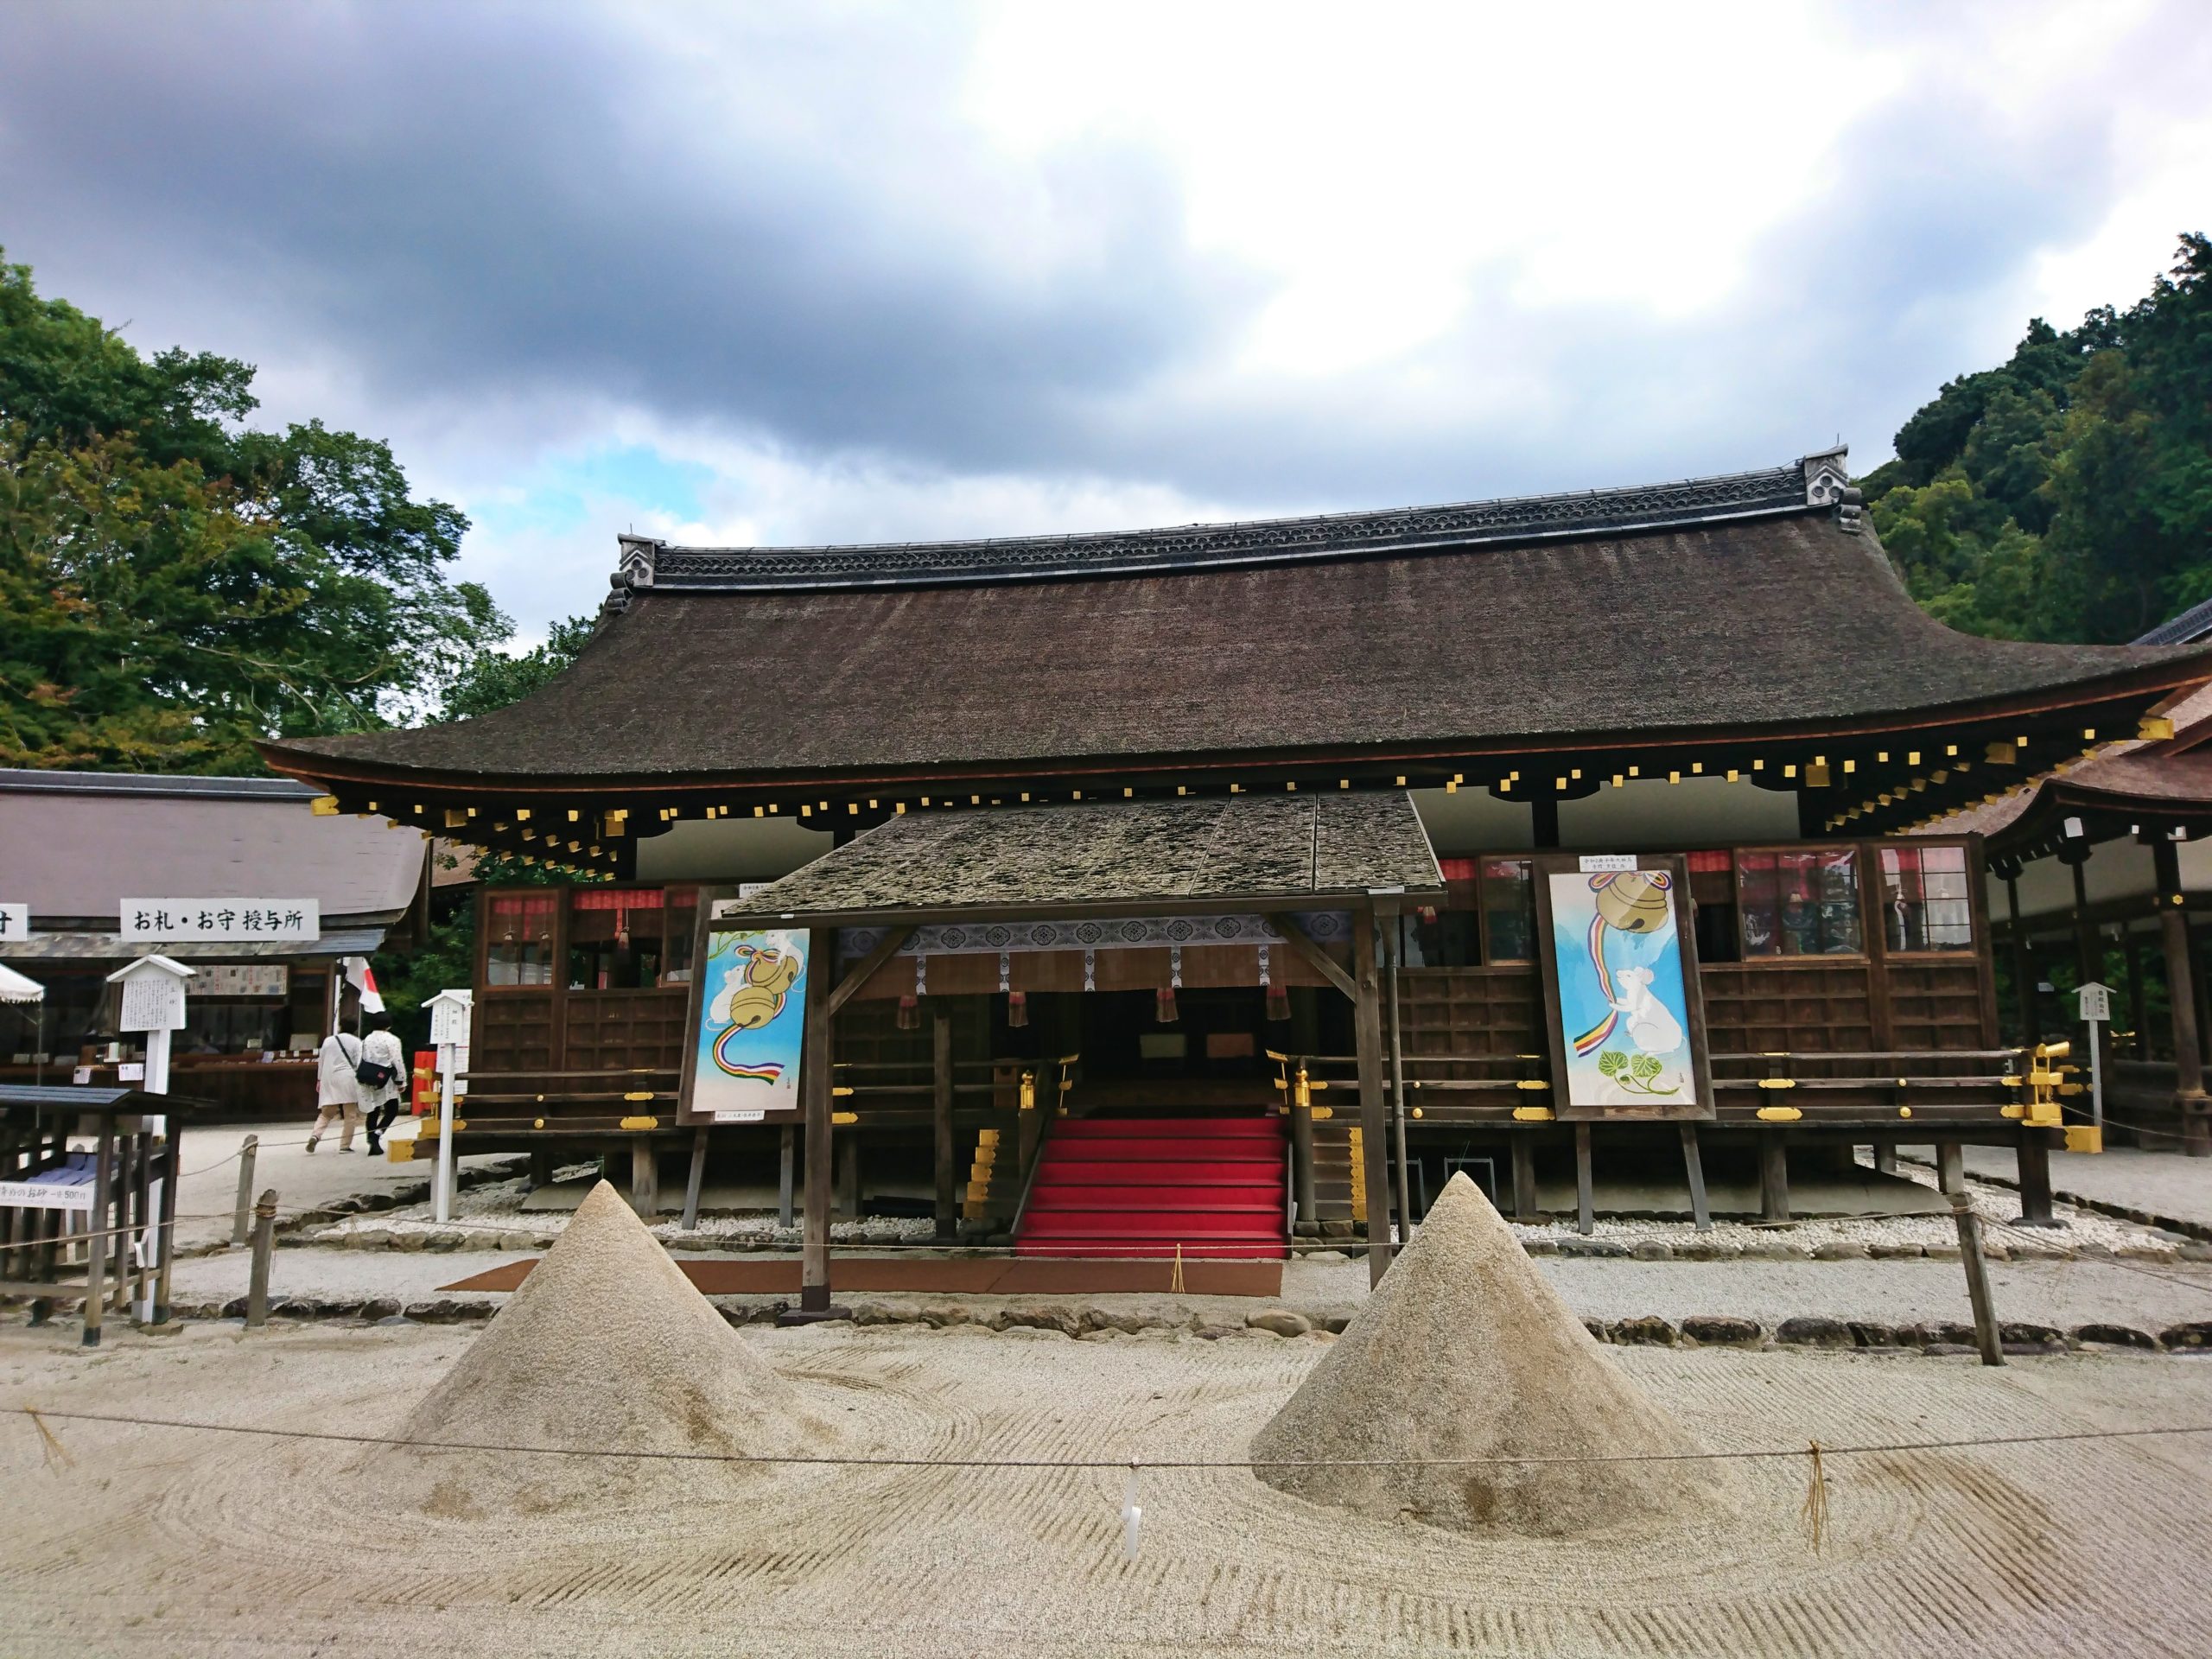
x=748, y=1024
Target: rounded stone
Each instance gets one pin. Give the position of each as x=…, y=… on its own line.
x=1280, y=1321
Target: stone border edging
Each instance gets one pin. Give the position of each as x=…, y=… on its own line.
x=1696, y=1331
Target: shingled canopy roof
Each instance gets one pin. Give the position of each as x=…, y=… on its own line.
x=1242, y=852
x=1747, y=609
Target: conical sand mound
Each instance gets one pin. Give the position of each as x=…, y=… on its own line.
x=1465, y=1350
x=607, y=1346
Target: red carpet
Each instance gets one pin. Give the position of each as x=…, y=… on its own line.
x=958, y=1277
x=1125, y=1187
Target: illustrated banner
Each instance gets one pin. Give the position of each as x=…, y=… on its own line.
x=1621, y=989
x=751, y=1022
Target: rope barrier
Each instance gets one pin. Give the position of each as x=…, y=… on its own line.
x=1816, y=1450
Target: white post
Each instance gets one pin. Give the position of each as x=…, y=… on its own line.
x=157, y=1072
x=444, y=1207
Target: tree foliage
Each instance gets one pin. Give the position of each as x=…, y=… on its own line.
x=177, y=584
x=2066, y=495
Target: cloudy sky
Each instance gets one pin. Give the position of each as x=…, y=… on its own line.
x=850, y=272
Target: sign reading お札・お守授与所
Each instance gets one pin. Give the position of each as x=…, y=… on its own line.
x=14, y=922
x=751, y=998
x=285, y=920
x=1629, y=1034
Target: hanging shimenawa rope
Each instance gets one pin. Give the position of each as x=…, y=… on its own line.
x=1814, y=1512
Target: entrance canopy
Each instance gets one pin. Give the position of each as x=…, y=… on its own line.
x=1244, y=853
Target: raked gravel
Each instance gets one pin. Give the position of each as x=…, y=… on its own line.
x=183, y=1543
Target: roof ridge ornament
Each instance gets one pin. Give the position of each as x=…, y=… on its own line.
x=633, y=571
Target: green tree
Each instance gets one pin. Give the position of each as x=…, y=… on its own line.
x=492, y=679
x=178, y=585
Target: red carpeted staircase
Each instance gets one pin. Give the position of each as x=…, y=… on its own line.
x=1125, y=1187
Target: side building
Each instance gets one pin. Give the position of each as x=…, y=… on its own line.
x=242, y=878
x=1295, y=824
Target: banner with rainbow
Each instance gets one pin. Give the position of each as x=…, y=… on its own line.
x=752, y=1024
x=1618, y=966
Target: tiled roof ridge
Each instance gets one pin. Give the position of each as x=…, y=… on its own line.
x=1813, y=482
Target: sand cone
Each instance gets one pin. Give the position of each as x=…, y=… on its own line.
x=605, y=1346
x=1465, y=1351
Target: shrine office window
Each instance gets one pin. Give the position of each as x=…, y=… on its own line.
x=1801, y=902
x=519, y=948
x=1509, y=897
x=617, y=938
x=1926, y=903
x=1446, y=935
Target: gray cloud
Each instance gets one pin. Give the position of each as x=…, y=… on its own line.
x=779, y=230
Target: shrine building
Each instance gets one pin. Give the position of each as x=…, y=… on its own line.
x=1208, y=888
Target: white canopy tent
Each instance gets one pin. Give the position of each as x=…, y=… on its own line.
x=14, y=987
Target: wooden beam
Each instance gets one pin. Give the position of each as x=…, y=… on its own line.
x=697, y=1176
x=814, y=1083
x=1303, y=946
x=1374, y=1120
x=1694, y=1161
x=1774, y=1176
x=948, y=1211
x=2181, y=993
x=848, y=987
x=1586, y=1222
x=1524, y=1178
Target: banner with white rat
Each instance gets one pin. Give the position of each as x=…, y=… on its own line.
x=1623, y=990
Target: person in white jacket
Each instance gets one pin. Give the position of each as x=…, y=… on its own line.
x=338, y=1092
x=380, y=1101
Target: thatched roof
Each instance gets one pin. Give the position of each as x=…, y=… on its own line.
x=1755, y=605
x=1242, y=850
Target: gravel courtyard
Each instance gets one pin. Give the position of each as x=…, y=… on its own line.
x=172, y=1541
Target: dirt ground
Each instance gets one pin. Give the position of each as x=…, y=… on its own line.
x=185, y=1542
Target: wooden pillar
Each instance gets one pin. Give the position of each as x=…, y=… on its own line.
x=2132, y=943
x=814, y=1083
x=1885, y=1157
x=849, y=1178
x=1398, y=1101
x=785, y=1183
x=1543, y=820
x=165, y=1237
x=1374, y=1121
x=1301, y=1155
x=2181, y=992
x=541, y=1167
x=695, y=1179
x=2023, y=966
x=1693, y=1158
x=95, y=1250
x=948, y=1212
x=645, y=1178
x=1524, y=1177
x=2089, y=958
x=1774, y=1176
x=1950, y=1167
x=1585, y=1219
x=2035, y=1178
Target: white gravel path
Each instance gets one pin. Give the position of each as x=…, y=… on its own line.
x=188, y=1544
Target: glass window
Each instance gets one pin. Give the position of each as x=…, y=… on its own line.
x=520, y=949
x=1509, y=909
x=1926, y=905
x=616, y=937
x=1798, y=902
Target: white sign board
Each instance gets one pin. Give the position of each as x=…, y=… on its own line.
x=242, y=979
x=450, y=1017
x=1607, y=863
x=152, y=1001
x=2096, y=1001
x=48, y=1195
x=292, y=920
x=14, y=922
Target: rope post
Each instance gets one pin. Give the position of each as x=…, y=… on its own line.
x=265, y=1236
x=1985, y=1315
x=241, y=1222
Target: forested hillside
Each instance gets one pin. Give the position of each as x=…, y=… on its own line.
x=2066, y=495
